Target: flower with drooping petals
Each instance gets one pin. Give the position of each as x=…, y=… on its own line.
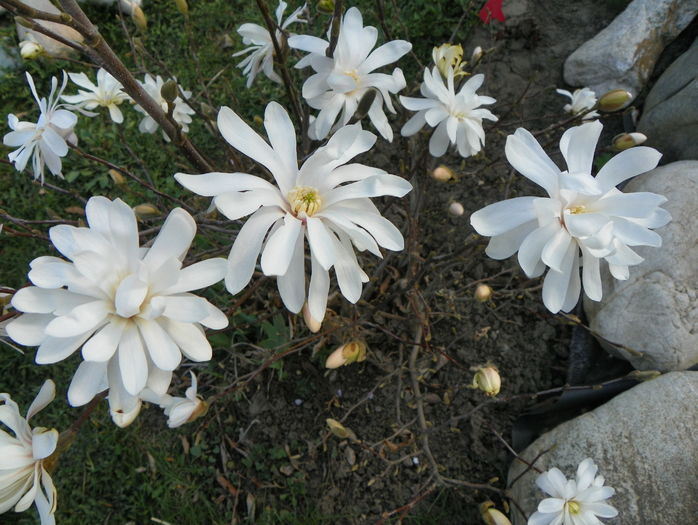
x=180, y=410
x=107, y=93
x=23, y=476
x=573, y=502
x=340, y=82
x=45, y=141
x=456, y=117
x=448, y=56
x=181, y=112
x=582, y=213
x=261, y=47
x=325, y=201
x=129, y=308
x=581, y=101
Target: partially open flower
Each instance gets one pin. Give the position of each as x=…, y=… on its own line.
x=625, y=141
x=30, y=49
x=449, y=55
x=346, y=354
x=487, y=379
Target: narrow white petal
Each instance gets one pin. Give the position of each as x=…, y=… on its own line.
x=102, y=345
x=292, y=284
x=527, y=156
x=174, y=238
x=507, y=244
x=190, y=338
x=29, y=329
x=321, y=243
x=578, y=145
x=46, y=394
x=162, y=349
x=90, y=378
x=132, y=363
x=503, y=216
x=199, y=275
x=278, y=251
x=557, y=284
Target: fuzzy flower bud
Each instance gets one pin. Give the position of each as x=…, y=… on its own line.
x=487, y=379
x=346, y=354
x=476, y=56
x=628, y=140
x=29, y=49
x=492, y=516
x=182, y=7
x=139, y=18
x=483, y=293
x=442, y=173
x=456, y=209
x=326, y=6
x=614, y=100
x=145, y=210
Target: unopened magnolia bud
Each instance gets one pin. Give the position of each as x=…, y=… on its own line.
x=326, y=6
x=139, y=18
x=492, y=516
x=169, y=91
x=476, y=56
x=456, y=209
x=313, y=324
x=442, y=173
x=346, y=354
x=117, y=177
x=487, y=379
x=24, y=22
x=614, y=100
x=29, y=50
x=200, y=410
x=182, y=7
x=145, y=210
x=628, y=140
x=483, y=293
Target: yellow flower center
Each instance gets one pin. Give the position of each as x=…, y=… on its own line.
x=577, y=209
x=353, y=74
x=574, y=507
x=305, y=201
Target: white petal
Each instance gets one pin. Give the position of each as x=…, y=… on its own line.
x=507, y=244
x=627, y=164
x=102, y=345
x=591, y=276
x=532, y=247
x=54, y=349
x=292, y=284
x=555, y=251
x=414, y=124
x=185, y=308
x=190, y=338
x=318, y=290
x=280, y=246
x=132, y=363
x=282, y=137
x=44, y=443
x=503, y=216
x=29, y=329
x=130, y=296
x=212, y=184
x=376, y=186
x=578, y=145
x=551, y=505
x=174, y=238
x=629, y=204
x=162, y=349
x=199, y=275
x=90, y=378
x=81, y=319
x=557, y=284
x=235, y=205
x=46, y=394
x=526, y=155
x=439, y=141
x=321, y=243
x=386, y=54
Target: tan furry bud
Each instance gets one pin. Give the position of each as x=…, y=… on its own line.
x=326, y=6
x=614, y=100
x=487, y=380
x=492, y=516
x=312, y=324
x=117, y=177
x=182, y=7
x=483, y=293
x=145, y=210
x=456, y=209
x=442, y=173
x=476, y=56
x=139, y=18
x=625, y=141
x=169, y=91
x=346, y=354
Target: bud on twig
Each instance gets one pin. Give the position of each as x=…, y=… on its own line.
x=456, y=209
x=182, y=7
x=483, y=293
x=442, y=173
x=346, y=354
x=487, y=380
x=492, y=516
x=145, y=210
x=614, y=100
x=476, y=56
x=625, y=141
x=326, y=6
x=169, y=91
x=29, y=49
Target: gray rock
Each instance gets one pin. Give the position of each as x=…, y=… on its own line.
x=655, y=312
x=623, y=55
x=639, y=442
x=670, y=115
x=9, y=59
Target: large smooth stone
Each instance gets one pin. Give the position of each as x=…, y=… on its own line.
x=642, y=443
x=623, y=55
x=670, y=115
x=655, y=312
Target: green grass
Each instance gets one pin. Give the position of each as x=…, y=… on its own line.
x=119, y=476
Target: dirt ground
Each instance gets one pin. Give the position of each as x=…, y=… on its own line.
x=425, y=298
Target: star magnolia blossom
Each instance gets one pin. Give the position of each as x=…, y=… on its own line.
x=45, y=141
x=340, y=82
x=581, y=100
x=181, y=112
x=23, y=476
x=261, y=57
x=457, y=117
x=108, y=93
x=180, y=410
x=326, y=201
x=582, y=213
x=128, y=308
x=573, y=502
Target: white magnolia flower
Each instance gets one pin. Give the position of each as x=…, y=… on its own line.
x=181, y=112
x=23, y=476
x=573, y=502
x=180, y=410
x=261, y=57
x=580, y=101
x=127, y=307
x=457, y=117
x=45, y=141
x=340, y=82
x=108, y=93
x=582, y=213
x=326, y=201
